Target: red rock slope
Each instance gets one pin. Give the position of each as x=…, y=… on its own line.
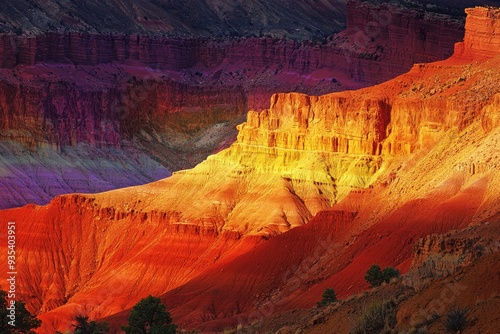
x=227, y=242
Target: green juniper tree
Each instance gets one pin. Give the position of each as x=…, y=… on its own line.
x=375, y=276
x=149, y=316
x=24, y=321
x=329, y=297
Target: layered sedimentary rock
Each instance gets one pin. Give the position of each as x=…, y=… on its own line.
x=178, y=99
x=378, y=44
x=82, y=122
x=482, y=39
x=395, y=161
x=38, y=175
x=394, y=38
x=64, y=113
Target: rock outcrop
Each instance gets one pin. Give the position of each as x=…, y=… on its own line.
x=394, y=38
x=379, y=43
x=437, y=256
x=482, y=37
x=82, y=122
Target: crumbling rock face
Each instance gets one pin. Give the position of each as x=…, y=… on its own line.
x=329, y=123
x=437, y=256
x=396, y=38
x=379, y=43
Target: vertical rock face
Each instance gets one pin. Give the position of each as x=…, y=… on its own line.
x=482, y=34
x=81, y=124
x=396, y=38
x=330, y=123
x=51, y=113
x=379, y=43
x=178, y=99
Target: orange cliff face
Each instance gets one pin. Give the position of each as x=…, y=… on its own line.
x=482, y=38
x=121, y=110
x=228, y=241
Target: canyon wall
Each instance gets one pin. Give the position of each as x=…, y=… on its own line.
x=395, y=37
x=415, y=155
x=482, y=38
x=177, y=100
x=64, y=113
x=389, y=38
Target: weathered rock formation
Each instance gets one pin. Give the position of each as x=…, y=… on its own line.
x=178, y=99
x=482, y=38
x=437, y=256
x=379, y=43
x=413, y=156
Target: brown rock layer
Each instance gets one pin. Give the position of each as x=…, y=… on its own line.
x=378, y=44
x=61, y=113
x=437, y=256
x=482, y=36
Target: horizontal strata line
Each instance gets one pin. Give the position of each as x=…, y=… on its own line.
x=305, y=150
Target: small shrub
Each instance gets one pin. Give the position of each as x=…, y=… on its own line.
x=456, y=319
x=84, y=326
x=375, y=276
x=329, y=297
x=379, y=318
x=390, y=273
x=149, y=315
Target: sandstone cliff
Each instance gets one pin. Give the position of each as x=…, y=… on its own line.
x=418, y=156
x=379, y=42
x=482, y=39
x=178, y=99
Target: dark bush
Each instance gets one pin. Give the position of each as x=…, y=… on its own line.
x=329, y=297
x=389, y=273
x=375, y=276
x=456, y=319
x=84, y=326
x=149, y=316
x=24, y=320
